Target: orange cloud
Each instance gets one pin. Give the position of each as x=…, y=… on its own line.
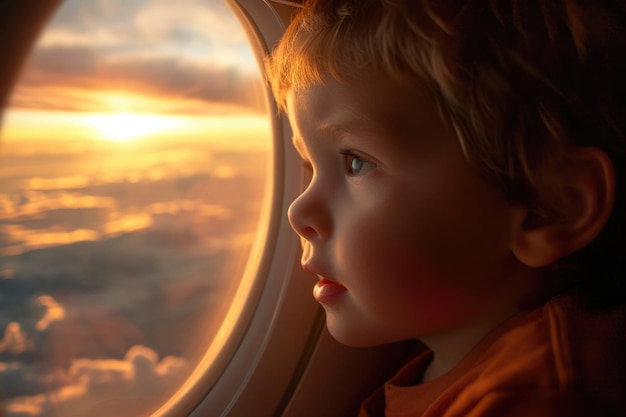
x=113, y=384
x=34, y=202
x=54, y=312
x=14, y=340
x=179, y=206
x=22, y=239
x=26, y=406
x=127, y=223
x=61, y=95
x=56, y=183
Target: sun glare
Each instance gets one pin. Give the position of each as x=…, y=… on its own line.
x=128, y=126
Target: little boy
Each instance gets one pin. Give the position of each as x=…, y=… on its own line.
x=466, y=190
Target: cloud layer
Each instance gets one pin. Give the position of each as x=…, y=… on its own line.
x=105, y=285
x=192, y=53
x=119, y=387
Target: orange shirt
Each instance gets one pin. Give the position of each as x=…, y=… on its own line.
x=559, y=360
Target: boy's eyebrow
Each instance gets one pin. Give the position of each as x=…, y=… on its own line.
x=363, y=127
x=334, y=131
x=330, y=130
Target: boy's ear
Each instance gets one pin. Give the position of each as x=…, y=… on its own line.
x=589, y=192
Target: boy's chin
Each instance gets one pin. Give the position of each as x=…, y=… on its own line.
x=356, y=338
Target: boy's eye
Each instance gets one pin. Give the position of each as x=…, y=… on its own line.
x=356, y=165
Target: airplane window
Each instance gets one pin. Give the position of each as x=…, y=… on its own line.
x=135, y=157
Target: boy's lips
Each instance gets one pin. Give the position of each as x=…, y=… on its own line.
x=325, y=290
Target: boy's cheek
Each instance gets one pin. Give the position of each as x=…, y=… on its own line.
x=398, y=267
x=402, y=281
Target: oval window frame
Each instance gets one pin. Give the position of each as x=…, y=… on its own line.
x=232, y=379
x=236, y=365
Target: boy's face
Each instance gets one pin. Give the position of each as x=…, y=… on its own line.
x=407, y=240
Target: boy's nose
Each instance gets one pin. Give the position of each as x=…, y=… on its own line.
x=308, y=216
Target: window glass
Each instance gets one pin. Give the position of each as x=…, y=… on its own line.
x=133, y=167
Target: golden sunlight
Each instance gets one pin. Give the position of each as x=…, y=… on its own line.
x=24, y=128
x=128, y=126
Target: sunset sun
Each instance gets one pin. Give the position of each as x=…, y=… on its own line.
x=128, y=126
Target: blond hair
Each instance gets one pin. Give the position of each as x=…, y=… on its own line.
x=518, y=80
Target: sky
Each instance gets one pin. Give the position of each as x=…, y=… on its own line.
x=162, y=64
x=133, y=166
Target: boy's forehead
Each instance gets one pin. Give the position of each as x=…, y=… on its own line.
x=365, y=106
x=336, y=108
x=318, y=112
